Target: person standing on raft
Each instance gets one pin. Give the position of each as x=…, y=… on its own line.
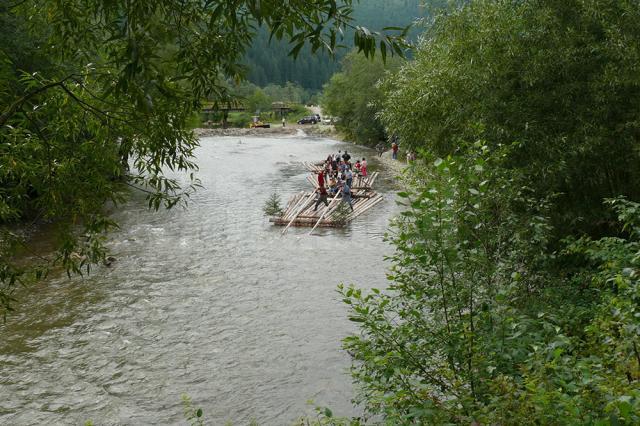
x=349, y=177
x=322, y=198
x=321, y=178
x=346, y=195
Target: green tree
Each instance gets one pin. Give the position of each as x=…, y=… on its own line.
x=478, y=326
x=102, y=95
x=289, y=92
x=353, y=96
x=556, y=80
x=258, y=102
x=497, y=312
x=269, y=61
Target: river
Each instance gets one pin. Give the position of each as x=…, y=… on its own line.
x=210, y=301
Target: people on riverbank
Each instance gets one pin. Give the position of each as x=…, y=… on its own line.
x=394, y=150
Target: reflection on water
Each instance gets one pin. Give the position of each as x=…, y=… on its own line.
x=211, y=301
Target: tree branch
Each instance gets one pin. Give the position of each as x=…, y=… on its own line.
x=11, y=109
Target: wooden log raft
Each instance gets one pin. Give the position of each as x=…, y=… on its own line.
x=300, y=210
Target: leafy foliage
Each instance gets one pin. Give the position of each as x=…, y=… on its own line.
x=514, y=288
x=192, y=414
x=99, y=95
x=325, y=417
x=477, y=326
x=270, y=63
x=353, y=96
x=555, y=80
x=341, y=214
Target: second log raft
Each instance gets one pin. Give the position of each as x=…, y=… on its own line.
x=300, y=208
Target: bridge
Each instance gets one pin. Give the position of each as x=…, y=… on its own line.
x=282, y=108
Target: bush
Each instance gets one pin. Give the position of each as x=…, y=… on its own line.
x=240, y=119
x=340, y=215
x=482, y=323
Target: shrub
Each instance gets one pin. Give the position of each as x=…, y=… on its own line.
x=272, y=206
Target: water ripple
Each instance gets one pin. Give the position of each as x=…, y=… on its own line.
x=211, y=301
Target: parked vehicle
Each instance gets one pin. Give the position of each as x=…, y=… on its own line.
x=310, y=119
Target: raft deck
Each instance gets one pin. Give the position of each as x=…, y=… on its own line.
x=299, y=210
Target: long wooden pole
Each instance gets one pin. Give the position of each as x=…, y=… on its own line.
x=313, y=182
x=304, y=205
x=368, y=181
x=324, y=213
x=299, y=205
x=365, y=206
x=295, y=206
x=373, y=179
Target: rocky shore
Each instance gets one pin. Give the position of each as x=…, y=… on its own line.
x=277, y=130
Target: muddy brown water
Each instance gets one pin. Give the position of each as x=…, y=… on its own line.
x=210, y=301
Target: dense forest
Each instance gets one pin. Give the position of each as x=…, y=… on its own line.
x=269, y=62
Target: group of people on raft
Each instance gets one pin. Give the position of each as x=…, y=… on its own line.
x=338, y=174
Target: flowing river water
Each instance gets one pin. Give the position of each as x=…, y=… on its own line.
x=210, y=301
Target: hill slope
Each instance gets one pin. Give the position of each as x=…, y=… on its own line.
x=270, y=63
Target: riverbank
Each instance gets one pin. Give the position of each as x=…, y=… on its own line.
x=274, y=131
x=396, y=165
x=317, y=130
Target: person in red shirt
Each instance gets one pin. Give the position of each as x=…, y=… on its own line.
x=394, y=149
x=321, y=178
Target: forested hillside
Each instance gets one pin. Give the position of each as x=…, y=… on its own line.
x=271, y=63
